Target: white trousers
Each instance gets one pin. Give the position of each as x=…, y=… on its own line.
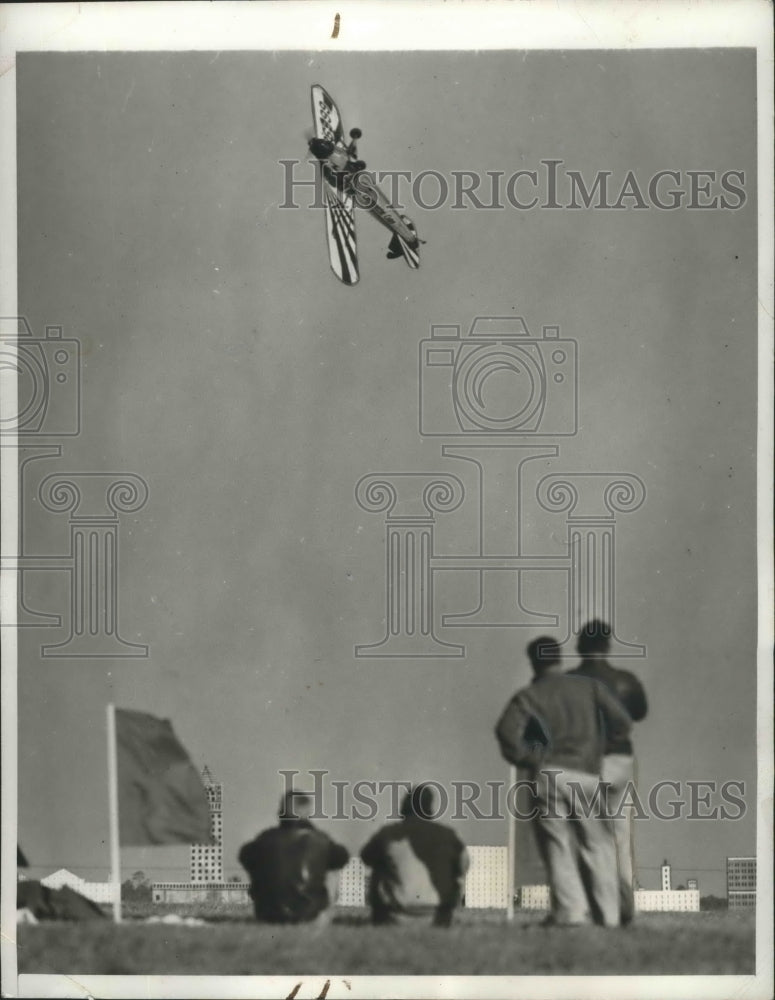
x=618, y=774
x=578, y=848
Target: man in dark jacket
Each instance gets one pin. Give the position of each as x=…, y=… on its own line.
x=619, y=761
x=418, y=865
x=557, y=728
x=288, y=865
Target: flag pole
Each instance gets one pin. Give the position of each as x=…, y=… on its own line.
x=115, y=850
x=511, y=864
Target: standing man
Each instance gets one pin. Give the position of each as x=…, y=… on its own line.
x=557, y=728
x=289, y=865
x=618, y=762
x=418, y=866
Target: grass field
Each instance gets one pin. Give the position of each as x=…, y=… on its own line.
x=480, y=943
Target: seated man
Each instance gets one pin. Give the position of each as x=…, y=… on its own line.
x=418, y=866
x=288, y=865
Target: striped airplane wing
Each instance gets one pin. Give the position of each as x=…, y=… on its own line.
x=340, y=230
x=328, y=121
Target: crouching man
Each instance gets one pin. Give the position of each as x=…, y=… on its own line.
x=290, y=866
x=417, y=866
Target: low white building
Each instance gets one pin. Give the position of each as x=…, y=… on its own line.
x=667, y=900
x=536, y=897
x=200, y=892
x=97, y=892
x=353, y=882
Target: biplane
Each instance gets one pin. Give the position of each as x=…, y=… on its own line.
x=347, y=184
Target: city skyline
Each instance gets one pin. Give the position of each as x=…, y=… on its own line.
x=214, y=790
x=485, y=881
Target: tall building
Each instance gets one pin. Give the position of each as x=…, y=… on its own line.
x=353, y=884
x=207, y=859
x=487, y=880
x=741, y=883
x=206, y=883
x=666, y=877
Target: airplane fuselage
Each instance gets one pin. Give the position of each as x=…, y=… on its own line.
x=370, y=196
x=336, y=160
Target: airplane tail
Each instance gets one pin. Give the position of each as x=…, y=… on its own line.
x=398, y=247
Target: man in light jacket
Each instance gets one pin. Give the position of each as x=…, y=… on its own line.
x=418, y=865
x=558, y=728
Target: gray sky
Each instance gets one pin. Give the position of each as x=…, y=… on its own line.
x=224, y=364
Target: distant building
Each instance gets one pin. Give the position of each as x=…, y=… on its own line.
x=666, y=899
x=353, y=883
x=692, y=883
x=206, y=882
x=97, y=892
x=487, y=878
x=741, y=883
x=534, y=897
x=200, y=892
x=486, y=883
x=207, y=859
